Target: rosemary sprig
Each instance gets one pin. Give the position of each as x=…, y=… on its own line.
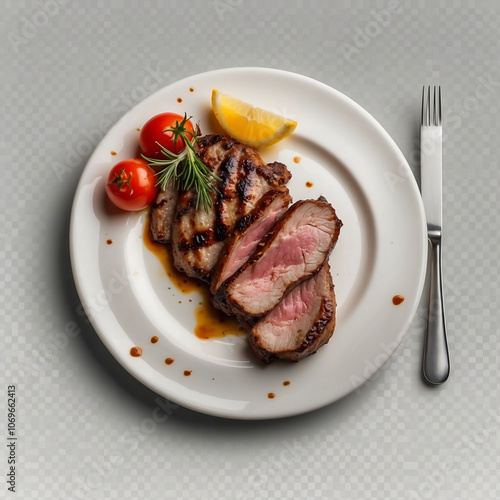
x=185, y=169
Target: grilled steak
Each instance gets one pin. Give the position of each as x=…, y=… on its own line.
x=197, y=236
x=162, y=214
x=293, y=250
x=248, y=232
x=267, y=263
x=301, y=323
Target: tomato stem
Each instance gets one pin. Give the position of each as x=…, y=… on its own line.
x=121, y=180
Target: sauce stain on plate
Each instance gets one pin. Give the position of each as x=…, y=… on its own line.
x=136, y=352
x=397, y=299
x=182, y=282
x=210, y=322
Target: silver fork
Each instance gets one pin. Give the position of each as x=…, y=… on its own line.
x=436, y=359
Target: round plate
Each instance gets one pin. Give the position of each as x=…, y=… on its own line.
x=339, y=151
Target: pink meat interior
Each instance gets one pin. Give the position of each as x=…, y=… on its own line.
x=298, y=251
x=251, y=238
x=285, y=327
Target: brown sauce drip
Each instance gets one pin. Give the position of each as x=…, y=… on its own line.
x=191, y=89
x=309, y=184
x=397, y=299
x=169, y=361
x=286, y=382
x=113, y=153
x=296, y=159
x=187, y=373
x=136, y=352
x=154, y=339
x=182, y=282
x=109, y=242
x=210, y=322
x=179, y=99
x=271, y=395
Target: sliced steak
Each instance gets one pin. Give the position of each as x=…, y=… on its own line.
x=295, y=249
x=198, y=236
x=248, y=232
x=301, y=323
x=162, y=214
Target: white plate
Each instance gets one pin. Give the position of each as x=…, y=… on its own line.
x=381, y=253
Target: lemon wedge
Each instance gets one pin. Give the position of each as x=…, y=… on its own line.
x=248, y=124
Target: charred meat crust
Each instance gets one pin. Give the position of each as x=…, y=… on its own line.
x=277, y=173
x=321, y=331
x=197, y=240
x=162, y=214
x=249, y=187
x=318, y=335
x=243, y=225
x=247, y=220
x=222, y=299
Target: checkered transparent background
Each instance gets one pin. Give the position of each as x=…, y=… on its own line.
x=80, y=414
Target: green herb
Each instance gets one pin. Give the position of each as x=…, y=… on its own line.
x=185, y=169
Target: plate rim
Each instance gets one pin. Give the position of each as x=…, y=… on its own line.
x=121, y=358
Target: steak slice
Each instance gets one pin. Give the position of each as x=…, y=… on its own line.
x=162, y=214
x=301, y=323
x=293, y=250
x=248, y=232
x=198, y=236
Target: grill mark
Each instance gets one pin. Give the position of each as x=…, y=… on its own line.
x=221, y=232
x=187, y=207
x=200, y=239
x=246, y=181
x=159, y=205
x=247, y=163
x=243, y=186
x=245, y=222
x=227, y=168
x=209, y=140
x=229, y=143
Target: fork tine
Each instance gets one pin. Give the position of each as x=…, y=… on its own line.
x=434, y=108
x=439, y=108
x=431, y=113
x=428, y=112
x=423, y=107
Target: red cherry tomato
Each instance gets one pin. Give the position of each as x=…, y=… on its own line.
x=157, y=130
x=131, y=185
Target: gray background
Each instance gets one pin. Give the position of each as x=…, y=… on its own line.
x=86, y=428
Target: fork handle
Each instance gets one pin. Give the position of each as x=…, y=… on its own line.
x=436, y=360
